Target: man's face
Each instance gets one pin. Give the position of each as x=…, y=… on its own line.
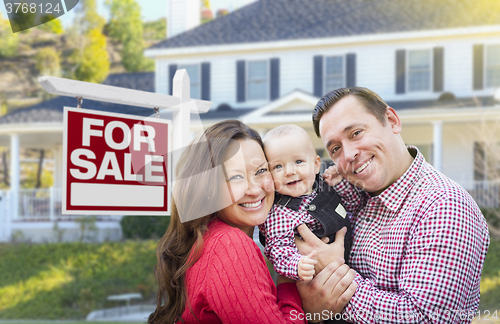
x=364, y=150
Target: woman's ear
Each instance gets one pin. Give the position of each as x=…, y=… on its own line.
x=393, y=120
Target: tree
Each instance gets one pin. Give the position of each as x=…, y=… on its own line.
x=52, y=25
x=486, y=190
x=48, y=62
x=91, y=59
x=94, y=59
x=8, y=40
x=87, y=18
x=126, y=27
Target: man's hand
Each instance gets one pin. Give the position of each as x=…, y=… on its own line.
x=326, y=253
x=332, y=176
x=331, y=289
x=306, y=266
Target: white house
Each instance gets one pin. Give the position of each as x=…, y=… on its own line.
x=437, y=62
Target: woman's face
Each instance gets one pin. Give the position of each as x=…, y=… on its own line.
x=251, y=190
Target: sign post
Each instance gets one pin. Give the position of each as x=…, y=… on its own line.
x=116, y=163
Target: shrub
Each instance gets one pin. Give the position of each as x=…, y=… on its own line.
x=144, y=227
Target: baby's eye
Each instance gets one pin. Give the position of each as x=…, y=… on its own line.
x=298, y=161
x=260, y=171
x=277, y=167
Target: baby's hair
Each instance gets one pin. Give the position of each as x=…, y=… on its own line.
x=284, y=130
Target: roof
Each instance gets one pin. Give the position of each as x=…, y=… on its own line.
x=275, y=20
x=51, y=110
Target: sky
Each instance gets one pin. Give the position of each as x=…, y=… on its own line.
x=150, y=9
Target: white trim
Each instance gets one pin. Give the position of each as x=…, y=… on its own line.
x=255, y=117
x=117, y=95
x=427, y=115
x=27, y=128
x=322, y=42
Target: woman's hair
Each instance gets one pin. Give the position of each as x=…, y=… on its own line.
x=194, y=205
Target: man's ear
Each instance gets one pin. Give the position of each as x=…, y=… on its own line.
x=317, y=164
x=393, y=120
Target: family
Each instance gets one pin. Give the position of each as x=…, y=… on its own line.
x=380, y=237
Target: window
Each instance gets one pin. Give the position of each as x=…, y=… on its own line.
x=419, y=70
x=193, y=71
x=334, y=73
x=493, y=66
x=258, y=80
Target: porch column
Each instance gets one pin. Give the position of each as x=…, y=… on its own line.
x=14, y=174
x=437, y=152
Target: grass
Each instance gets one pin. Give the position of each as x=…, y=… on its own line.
x=490, y=279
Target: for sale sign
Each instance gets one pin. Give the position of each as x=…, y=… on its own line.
x=115, y=164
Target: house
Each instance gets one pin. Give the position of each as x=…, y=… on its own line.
x=436, y=62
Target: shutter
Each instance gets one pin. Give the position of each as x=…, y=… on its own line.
x=275, y=78
x=478, y=67
x=350, y=78
x=240, y=81
x=438, y=69
x=205, y=81
x=318, y=76
x=172, y=68
x=400, y=71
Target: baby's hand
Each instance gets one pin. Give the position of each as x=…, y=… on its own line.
x=332, y=176
x=306, y=266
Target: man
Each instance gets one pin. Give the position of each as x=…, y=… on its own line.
x=419, y=238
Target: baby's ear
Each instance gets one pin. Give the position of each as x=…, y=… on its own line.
x=317, y=164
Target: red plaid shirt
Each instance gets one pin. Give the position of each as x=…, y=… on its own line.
x=418, y=248
x=279, y=230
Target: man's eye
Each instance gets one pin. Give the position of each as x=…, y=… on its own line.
x=298, y=161
x=356, y=133
x=334, y=150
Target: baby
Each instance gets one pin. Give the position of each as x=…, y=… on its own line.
x=301, y=197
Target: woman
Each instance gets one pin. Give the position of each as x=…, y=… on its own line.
x=209, y=269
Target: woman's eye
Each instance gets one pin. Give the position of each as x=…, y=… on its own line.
x=236, y=177
x=298, y=161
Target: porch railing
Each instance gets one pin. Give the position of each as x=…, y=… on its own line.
x=45, y=204
x=485, y=193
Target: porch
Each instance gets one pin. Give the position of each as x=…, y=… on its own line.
x=39, y=219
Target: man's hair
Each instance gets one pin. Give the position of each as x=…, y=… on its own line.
x=372, y=102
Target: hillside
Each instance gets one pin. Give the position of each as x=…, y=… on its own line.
x=18, y=75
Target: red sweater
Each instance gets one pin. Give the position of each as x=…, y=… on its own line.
x=230, y=283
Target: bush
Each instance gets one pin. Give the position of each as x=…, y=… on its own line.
x=144, y=227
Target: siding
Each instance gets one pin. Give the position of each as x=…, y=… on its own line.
x=375, y=69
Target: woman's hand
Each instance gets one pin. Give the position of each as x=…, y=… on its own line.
x=326, y=253
x=330, y=290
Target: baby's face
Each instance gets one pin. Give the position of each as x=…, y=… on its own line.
x=293, y=163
